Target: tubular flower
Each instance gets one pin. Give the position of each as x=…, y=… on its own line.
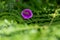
x=27, y=13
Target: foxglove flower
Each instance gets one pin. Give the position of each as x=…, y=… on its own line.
x=27, y=13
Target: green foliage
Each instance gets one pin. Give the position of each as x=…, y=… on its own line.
x=39, y=7
x=44, y=25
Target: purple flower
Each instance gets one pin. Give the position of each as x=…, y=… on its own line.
x=27, y=13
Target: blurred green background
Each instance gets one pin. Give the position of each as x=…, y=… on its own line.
x=44, y=25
